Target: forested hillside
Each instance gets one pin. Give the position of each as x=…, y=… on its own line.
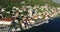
x=9, y=3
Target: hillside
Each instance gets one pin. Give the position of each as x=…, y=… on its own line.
x=9, y=3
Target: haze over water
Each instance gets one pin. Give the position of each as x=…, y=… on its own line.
x=57, y=1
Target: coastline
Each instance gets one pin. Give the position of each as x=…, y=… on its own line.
x=45, y=21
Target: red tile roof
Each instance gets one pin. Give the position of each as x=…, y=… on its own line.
x=7, y=19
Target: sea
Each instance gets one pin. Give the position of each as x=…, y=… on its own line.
x=52, y=26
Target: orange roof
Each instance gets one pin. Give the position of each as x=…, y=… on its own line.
x=7, y=19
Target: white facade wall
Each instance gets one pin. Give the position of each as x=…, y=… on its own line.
x=5, y=22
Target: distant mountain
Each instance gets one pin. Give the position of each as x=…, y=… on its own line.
x=57, y=1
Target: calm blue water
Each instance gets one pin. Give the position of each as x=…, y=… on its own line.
x=52, y=26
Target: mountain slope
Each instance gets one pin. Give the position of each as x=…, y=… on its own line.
x=10, y=3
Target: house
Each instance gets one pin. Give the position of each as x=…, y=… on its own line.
x=6, y=21
x=17, y=8
x=14, y=7
x=35, y=17
x=31, y=21
x=16, y=13
x=30, y=12
x=3, y=9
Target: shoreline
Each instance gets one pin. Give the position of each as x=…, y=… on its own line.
x=44, y=21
